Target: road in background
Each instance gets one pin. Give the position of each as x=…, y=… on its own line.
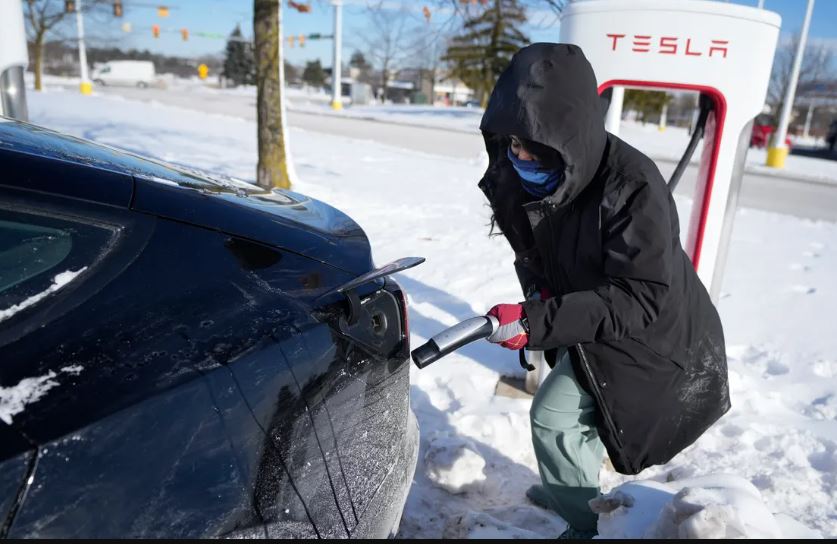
x=787, y=195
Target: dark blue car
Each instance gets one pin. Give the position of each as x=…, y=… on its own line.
x=185, y=356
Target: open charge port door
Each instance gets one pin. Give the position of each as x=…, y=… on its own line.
x=371, y=310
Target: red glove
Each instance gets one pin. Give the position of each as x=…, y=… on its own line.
x=512, y=333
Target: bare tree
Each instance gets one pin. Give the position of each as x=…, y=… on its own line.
x=817, y=64
x=386, y=40
x=429, y=43
x=467, y=6
x=44, y=17
x=272, y=170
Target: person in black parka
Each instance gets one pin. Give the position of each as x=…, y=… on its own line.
x=611, y=296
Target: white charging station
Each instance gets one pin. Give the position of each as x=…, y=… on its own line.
x=13, y=60
x=722, y=51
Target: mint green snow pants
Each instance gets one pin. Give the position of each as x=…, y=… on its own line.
x=567, y=445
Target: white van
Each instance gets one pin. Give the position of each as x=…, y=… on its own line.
x=134, y=73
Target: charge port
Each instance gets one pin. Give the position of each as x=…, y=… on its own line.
x=379, y=323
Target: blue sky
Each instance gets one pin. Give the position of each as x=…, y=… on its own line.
x=221, y=16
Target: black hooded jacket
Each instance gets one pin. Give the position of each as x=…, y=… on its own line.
x=644, y=338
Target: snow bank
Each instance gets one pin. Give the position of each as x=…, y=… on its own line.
x=454, y=464
x=718, y=506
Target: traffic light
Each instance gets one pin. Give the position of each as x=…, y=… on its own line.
x=117, y=8
x=426, y=11
x=184, y=33
x=163, y=11
x=302, y=40
x=155, y=30
x=69, y=6
x=291, y=40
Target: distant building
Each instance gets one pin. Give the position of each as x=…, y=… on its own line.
x=407, y=86
x=452, y=92
x=442, y=92
x=400, y=92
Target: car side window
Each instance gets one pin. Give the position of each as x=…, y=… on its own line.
x=40, y=254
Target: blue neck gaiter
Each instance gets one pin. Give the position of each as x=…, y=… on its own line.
x=537, y=181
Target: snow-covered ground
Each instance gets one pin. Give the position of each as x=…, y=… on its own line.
x=458, y=118
x=769, y=467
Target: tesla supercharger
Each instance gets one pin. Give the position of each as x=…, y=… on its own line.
x=13, y=60
x=721, y=50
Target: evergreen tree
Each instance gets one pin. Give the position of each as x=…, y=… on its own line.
x=489, y=40
x=239, y=64
x=314, y=74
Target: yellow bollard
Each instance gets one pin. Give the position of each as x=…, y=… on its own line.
x=86, y=88
x=336, y=105
x=203, y=71
x=776, y=156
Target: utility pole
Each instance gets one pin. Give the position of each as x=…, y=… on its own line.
x=778, y=152
x=336, y=102
x=86, y=87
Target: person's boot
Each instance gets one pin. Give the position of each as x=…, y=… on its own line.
x=571, y=533
x=539, y=496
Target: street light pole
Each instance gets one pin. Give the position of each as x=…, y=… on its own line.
x=86, y=87
x=13, y=60
x=336, y=84
x=778, y=152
